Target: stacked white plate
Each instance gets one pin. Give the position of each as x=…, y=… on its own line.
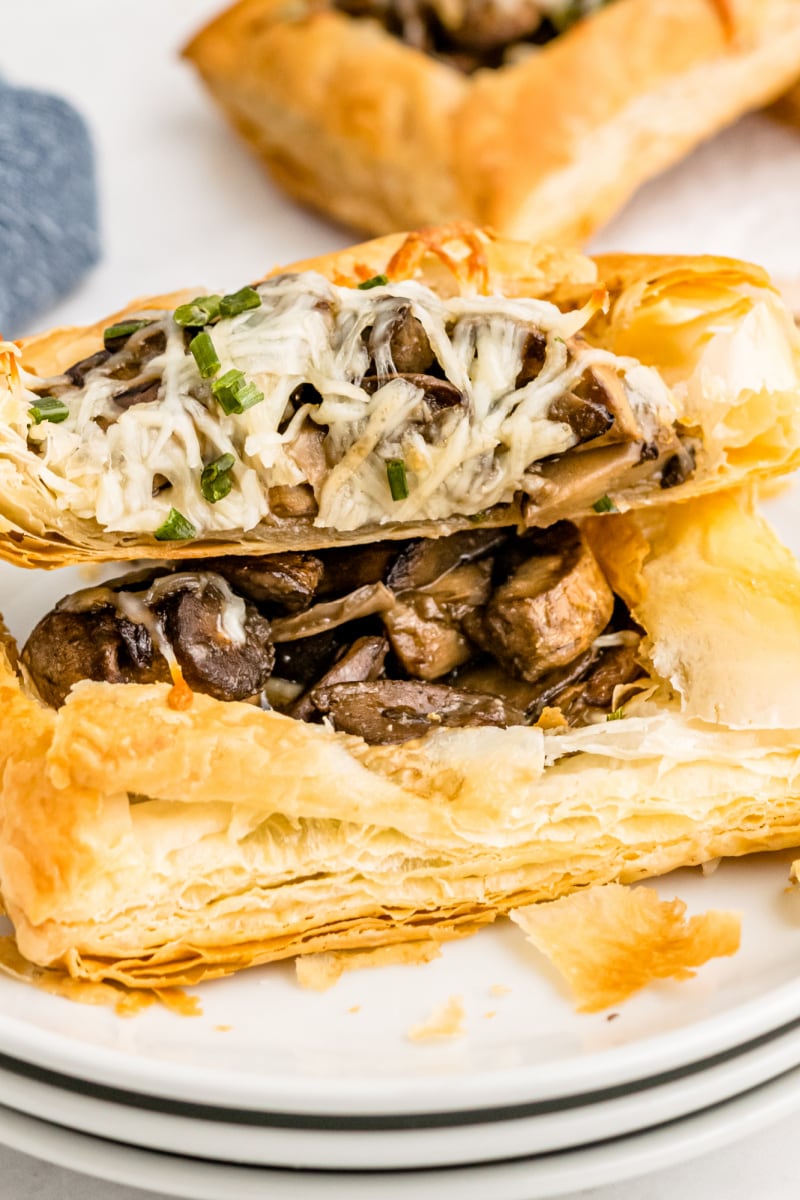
x=313, y=1093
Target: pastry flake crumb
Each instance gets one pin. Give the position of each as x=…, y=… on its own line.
x=223, y=1028
x=354, y=1008
x=711, y=867
x=499, y=989
x=318, y=972
x=610, y=941
x=489, y=1015
x=551, y=718
x=446, y=1021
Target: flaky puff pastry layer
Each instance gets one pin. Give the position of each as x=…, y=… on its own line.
x=156, y=847
x=353, y=121
x=714, y=328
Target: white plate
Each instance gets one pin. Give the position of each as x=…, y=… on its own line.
x=264, y=1044
x=523, y=1179
x=117, y=1116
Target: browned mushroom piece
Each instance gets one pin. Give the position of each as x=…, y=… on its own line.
x=439, y=395
x=296, y=501
x=484, y=25
x=78, y=371
x=303, y=661
x=569, y=483
x=66, y=647
x=424, y=626
x=549, y=611
x=615, y=666
x=211, y=659
x=363, y=602
x=534, y=352
x=362, y=662
x=529, y=698
x=398, y=342
x=289, y=578
x=390, y=711
x=349, y=567
x=141, y=393
x=424, y=560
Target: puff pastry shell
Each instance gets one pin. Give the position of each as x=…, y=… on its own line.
x=379, y=135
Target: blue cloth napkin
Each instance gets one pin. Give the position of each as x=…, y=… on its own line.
x=48, y=204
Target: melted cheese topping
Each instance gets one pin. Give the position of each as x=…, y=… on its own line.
x=108, y=462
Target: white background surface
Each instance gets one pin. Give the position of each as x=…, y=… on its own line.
x=183, y=204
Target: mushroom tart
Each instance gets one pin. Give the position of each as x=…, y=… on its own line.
x=539, y=118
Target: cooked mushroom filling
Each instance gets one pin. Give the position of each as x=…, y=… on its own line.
x=485, y=627
x=341, y=408
x=470, y=34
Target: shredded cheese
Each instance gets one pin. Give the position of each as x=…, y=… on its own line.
x=103, y=462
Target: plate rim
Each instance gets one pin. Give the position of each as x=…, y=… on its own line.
x=635, y=1061
x=330, y=1146
x=540, y=1176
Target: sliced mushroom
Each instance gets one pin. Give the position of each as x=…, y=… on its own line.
x=140, y=393
x=549, y=611
x=615, y=667
x=529, y=698
x=303, y=661
x=78, y=371
x=350, y=567
x=392, y=710
x=534, y=353
x=212, y=661
x=307, y=450
x=399, y=336
x=601, y=389
x=678, y=468
x=363, y=661
x=424, y=560
x=439, y=395
x=587, y=418
x=66, y=647
x=576, y=481
x=424, y=627
x=290, y=578
x=96, y=635
x=363, y=602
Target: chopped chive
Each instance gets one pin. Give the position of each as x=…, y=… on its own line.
x=398, y=482
x=49, y=408
x=237, y=302
x=203, y=310
x=376, y=281
x=216, y=482
x=235, y=393
x=115, y=337
x=476, y=518
x=616, y=715
x=204, y=355
x=175, y=529
x=604, y=504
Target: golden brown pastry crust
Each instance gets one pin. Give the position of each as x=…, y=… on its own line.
x=157, y=847
x=741, y=436
x=352, y=121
